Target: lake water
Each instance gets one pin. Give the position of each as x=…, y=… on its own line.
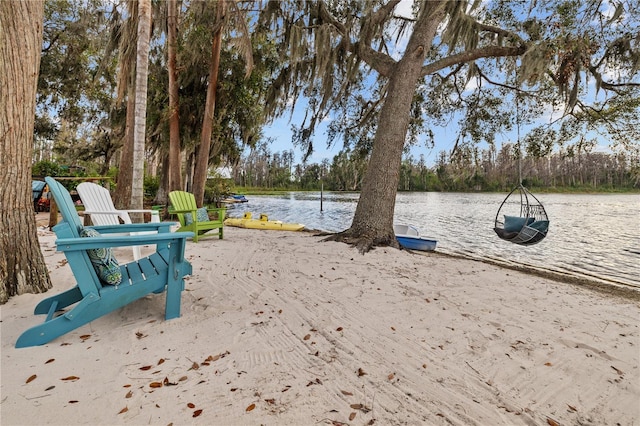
x=593, y=236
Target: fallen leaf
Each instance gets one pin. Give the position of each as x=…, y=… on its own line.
x=126, y=386
x=393, y=328
x=270, y=401
x=620, y=372
x=197, y=413
x=360, y=407
x=49, y=361
x=124, y=410
x=155, y=384
x=85, y=336
x=391, y=376
x=166, y=382
x=361, y=372
x=145, y=368
x=251, y=407
x=71, y=378
x=191, y=405
x=339, y=329
x=73, y=401
x=352, y=415
x=161, y=361
x=49, y=388
x=307, y=337
x=346, y=393
x=548, y=364
x=31, y=378
x=572, y=408
x=182, y=379
x=552, y=422
x=129, y=394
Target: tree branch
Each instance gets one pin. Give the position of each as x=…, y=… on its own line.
x=380, y=62
x=471, y=55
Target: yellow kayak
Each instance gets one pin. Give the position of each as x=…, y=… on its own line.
x=263, y=223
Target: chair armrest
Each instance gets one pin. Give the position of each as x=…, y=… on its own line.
x=161, y=227
x=138, y=211
x=213, y=209
x=113, y=212
x=124, y=214
x=174, y=211
x=87, y=243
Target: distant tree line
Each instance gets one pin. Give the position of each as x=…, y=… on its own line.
x=465, y=169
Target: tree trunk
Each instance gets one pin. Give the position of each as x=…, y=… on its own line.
x=174, y=171
x=22, y=266
x=202, y=160
x=373, y=219
x=122, y=195
x=162, y=196
x=142, y=73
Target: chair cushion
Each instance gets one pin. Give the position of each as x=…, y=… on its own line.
x=201, y=216
x=540, y=225
x=103, y=262
x=516, y=223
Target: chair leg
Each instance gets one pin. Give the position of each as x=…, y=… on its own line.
x=64, y=299
x=136, y=253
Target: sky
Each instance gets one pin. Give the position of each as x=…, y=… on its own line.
x=280, y=129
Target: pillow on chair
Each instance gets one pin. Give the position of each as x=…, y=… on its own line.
x=103, y=262
x=201, y=216
x=516, y=223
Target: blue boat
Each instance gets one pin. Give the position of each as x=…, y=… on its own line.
x=408, y=237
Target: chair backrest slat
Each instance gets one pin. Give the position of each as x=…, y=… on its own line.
x=97, y=198
x=65, y=205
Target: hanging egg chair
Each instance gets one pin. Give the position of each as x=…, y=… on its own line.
x=521, y=218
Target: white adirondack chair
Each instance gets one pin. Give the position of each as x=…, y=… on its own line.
x=97, y=203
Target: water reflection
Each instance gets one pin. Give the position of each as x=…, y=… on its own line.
x=594, y=235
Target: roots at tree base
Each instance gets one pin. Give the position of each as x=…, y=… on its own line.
x=364, y=242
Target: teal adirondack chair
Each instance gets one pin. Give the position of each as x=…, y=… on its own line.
x=194, y=219
x=92, y=297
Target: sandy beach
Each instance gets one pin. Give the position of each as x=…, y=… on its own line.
x=280, y=328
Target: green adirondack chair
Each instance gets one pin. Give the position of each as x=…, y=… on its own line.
x=89, y=255
x=194, y=219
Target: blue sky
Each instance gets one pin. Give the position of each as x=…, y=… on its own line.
x=280, y=131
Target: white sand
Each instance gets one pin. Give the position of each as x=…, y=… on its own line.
x=278, y=328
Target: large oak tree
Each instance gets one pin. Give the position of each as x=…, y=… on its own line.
x=22, y=266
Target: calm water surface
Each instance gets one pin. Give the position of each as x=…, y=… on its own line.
x=597, y=236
